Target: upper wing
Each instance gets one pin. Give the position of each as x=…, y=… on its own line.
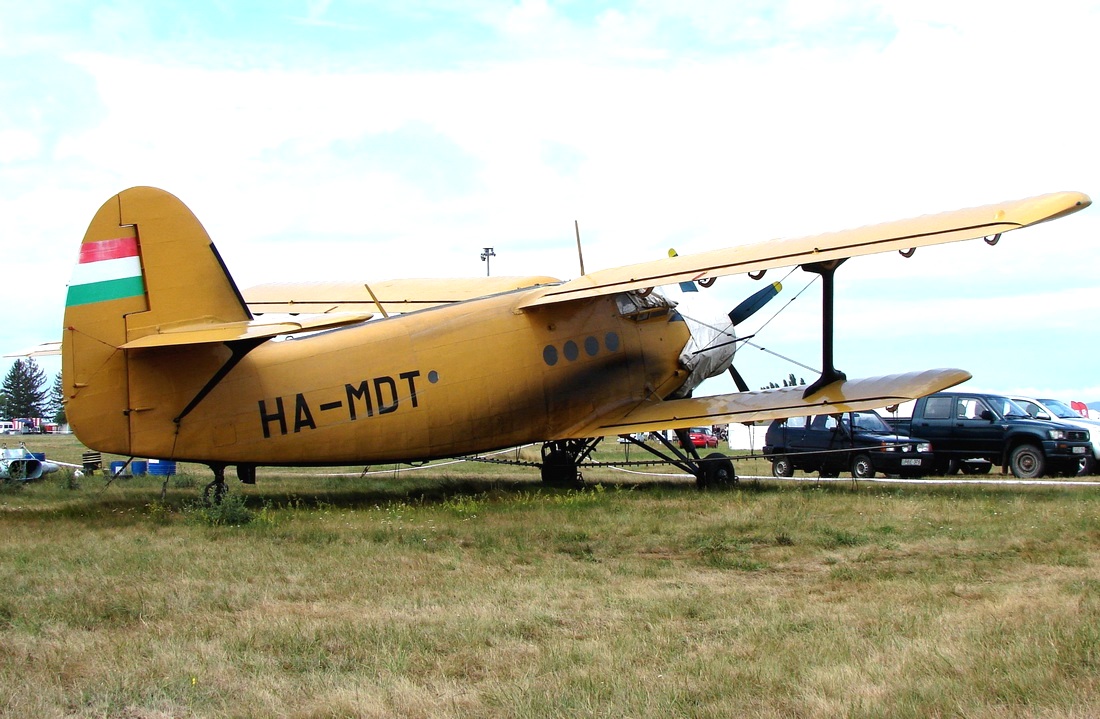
x=387, y=296
x=845, y=396
x=900, y=235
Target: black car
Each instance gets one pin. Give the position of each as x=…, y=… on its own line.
x=859, y=442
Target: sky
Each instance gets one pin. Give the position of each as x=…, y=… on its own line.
x=368, y=140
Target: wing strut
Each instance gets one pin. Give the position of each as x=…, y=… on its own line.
x=829, y=373
x=239, y=349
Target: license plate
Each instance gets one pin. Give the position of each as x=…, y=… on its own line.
x=910, y=462
x=1078, y=450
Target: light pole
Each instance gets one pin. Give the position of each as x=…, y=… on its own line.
x=485, y=255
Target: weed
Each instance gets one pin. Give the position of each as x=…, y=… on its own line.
x=231, y=511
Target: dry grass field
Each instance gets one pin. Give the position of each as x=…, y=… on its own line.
x=470, y=591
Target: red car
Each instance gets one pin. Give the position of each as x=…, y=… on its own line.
x=703, y=437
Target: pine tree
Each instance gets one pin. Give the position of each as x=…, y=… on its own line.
x=55, y=407
x=24, y=389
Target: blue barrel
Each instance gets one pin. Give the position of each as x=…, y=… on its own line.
x=139, y=467
x=162, y=467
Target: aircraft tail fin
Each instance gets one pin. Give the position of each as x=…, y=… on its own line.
x=146, y=265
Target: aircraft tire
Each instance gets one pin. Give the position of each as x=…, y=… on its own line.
x=716, y=470
x=559, y=469
x=863, y=467
x=1027, y=462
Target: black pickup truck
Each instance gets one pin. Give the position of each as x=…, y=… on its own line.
x=974, y=432
x=859, y=442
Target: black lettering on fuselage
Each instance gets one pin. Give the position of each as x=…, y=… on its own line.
x=278, y=416
x=361, y=392
x=378, y=395
x=411, y=376
x=379, y=382
x=303, y=417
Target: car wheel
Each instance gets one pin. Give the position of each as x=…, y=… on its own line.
x=863, y=467
x=782, y=467
x=976, y=467
x=1027, y=462
x=1089, y=466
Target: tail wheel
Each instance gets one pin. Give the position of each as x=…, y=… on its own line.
x=716, y=470
x=863, y=467
x=782, y=467
x=1027, y=462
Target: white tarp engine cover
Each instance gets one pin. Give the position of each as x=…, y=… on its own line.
x=707, y=354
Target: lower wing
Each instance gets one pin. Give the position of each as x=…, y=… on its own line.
x=844, y=396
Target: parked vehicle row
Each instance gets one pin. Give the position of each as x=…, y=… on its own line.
x=947, y=433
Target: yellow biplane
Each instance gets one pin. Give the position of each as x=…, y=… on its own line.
x=163, y=356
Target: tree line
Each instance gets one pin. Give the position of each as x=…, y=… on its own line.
x=26, y=393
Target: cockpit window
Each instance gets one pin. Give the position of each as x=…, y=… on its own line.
x=643, y=306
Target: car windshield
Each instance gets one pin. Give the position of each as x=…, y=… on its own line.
x=867, y=422
x=1060, y=409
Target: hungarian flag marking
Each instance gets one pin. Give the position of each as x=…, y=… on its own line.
x=106, y=270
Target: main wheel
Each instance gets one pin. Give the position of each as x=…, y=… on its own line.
x=863, y=467
x=716, y=470
x=559, y=469
x=1027, y=462
x=782, y=467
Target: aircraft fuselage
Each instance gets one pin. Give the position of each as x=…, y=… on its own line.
x=457, y=379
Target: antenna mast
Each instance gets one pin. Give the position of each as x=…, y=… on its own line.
x=580, y=255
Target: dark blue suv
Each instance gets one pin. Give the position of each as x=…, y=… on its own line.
x=859, y=442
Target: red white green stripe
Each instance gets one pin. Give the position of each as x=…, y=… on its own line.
x=107, y=270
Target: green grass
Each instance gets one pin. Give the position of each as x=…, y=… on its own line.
x=472, y=591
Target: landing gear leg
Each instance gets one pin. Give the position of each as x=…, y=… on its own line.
x=714, y=470
x=217, y=486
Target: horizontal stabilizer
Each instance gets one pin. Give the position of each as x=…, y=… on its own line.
x=236, y=331
x=386, y=296
x=840, y=396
